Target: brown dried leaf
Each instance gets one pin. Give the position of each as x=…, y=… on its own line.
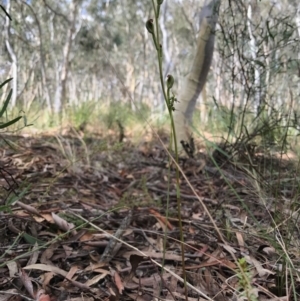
x=161, y=219
x=13, y=269
x=139, y=297
x=168, y=255
x=72, y=271
x=82, y=298
x=119, y=283
x=182, y=297
x=148, y=281
x=261, y=271
x=240, y=239
x=47, y=268
x=61, y=223
x=95, y=266
x=35, y=255
x=10, y=295
x=41, y=296
x=97, y=278
x=172, y=287
x=46, y=278
x=269, y=250
x=47, y=254
x=27, y=283
x=28, y=208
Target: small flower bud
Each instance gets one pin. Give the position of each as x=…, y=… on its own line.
x=170, y=81
x=159, y=2
x=149, y=26
x=160, y=49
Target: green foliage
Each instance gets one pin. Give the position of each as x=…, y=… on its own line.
x=82, y=113
x=13, y=194
x=169, y=98
x=13, y=198
x=245, y=287
x=124, y=114
x=7, y=123
x=131, y=199
x=275, y=129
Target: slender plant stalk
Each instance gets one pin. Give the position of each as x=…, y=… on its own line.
x=170, y=105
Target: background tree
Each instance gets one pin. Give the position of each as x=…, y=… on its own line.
x=69, y=53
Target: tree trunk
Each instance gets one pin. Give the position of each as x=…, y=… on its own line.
x=13, y=57
x=60, y=97
x=195, y=80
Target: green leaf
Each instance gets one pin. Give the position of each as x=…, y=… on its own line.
x=7, y=124
x=5, y=82
x=5, y=208
x=25, y=120
x=259, y=63
x=13, y=198
x=32, y=240
x=6, y=103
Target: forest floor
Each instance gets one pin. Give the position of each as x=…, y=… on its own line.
x=94, y=219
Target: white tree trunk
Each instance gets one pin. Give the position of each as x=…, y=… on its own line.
x=253, y=51
x=13, y=57
x=62, y=86
x=193, y=84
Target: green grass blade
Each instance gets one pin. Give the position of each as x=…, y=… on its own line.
x=7, y=124
x=5, y=82
x=6, y=103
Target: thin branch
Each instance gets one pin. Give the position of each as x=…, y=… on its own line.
x=57, y=13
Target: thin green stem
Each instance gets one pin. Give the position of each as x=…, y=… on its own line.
x=170, y=111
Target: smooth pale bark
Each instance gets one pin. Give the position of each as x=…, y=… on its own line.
x=253, y=51
x=297, y=19
x=13, y=57
x=45, y=88
x=195, y=80
x=61, y=90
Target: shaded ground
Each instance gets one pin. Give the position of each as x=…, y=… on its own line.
x=53, y=184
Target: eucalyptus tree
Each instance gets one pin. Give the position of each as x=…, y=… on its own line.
x=12, y=54
x=195, y=80
x=67, y=52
